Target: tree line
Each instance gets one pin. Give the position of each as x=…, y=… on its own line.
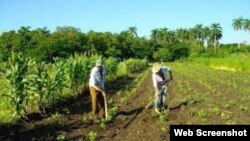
x=163, y=43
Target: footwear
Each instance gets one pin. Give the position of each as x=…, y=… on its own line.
x=157, y=111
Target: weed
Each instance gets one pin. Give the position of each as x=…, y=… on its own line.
x=216, y=110
x=61, y=137
x=202, y=114
x=55, y=117
x=103, y=123
x=92, y=136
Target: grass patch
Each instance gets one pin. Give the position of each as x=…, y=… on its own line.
x=238, y=63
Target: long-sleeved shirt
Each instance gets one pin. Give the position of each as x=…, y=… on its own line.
x=158, y=80
x=96, y=78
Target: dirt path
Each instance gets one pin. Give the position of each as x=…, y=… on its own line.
x=136, y=123
x=133, y=122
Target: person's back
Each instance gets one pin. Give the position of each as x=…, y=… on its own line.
x=159, y=77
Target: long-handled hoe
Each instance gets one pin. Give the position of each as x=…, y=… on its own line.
x=105, y=106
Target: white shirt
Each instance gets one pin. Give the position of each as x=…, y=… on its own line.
x=157, y=79
x=96, y=78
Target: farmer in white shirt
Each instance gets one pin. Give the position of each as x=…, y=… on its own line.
x=160, y=80
x=97, y=88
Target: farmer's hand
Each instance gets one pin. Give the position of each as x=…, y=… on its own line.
x=104, y=94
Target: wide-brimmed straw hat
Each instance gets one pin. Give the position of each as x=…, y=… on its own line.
x=156, y=67
x=98, y=63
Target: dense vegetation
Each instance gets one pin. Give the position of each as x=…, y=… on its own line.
x=29, y=85
x=164, y=44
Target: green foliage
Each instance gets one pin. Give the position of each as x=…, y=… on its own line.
x=202, y=114
x=61, y=137
x=112, y=67
x=112, y=109
x=92, y=136
x=234, y=63
x=55, y=118
x=164, y=44
x=162, y=54
x=172, y=52
x=103, y=123
x=16, y=75
x=131, y=66
x=78, y=70
x=33, y=84
x=136, y=65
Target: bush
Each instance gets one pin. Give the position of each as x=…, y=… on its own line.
x=162, y=54
x=131, y=66
x=172, y=52
x=136, y=65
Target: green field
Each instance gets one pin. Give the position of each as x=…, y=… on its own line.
x=200, y=93
x=215, y=96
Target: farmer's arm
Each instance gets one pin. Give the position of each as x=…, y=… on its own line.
x=157, y=89
x=98, y=88
x=95, y=81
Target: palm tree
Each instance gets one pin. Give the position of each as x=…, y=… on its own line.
x=24, y=30
x=160, y=34
x=171, y=36
x=246, y=25
x=199, y=31
x=238, y=25
x=215, y=34
x=163, y=33
x=206, y=33
x=133, y=30
x=180, y=33
x=155, y=35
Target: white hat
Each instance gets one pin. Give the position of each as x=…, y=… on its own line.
x=156, y=67
x=99, y=62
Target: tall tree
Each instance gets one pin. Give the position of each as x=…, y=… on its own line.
x=24, y=39
x=156, y=35
x=206, y=34
x=199, y=31
x=246, y=25
x=215, y=34
x=133, y=30
x=182, y=34
x=238, y=25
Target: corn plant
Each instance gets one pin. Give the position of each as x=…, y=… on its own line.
x=47, y=83
x=55, y=82
x=37, y=83
x=111, y=66
x=78, y=69
x=15, y=73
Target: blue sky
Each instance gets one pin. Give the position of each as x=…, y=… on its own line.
x=118, y=15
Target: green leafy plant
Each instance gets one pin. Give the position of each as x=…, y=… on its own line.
x=92, y=136
x=16, y=75
x=55, y=117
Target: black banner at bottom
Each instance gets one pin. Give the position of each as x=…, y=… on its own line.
x=214, y=132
